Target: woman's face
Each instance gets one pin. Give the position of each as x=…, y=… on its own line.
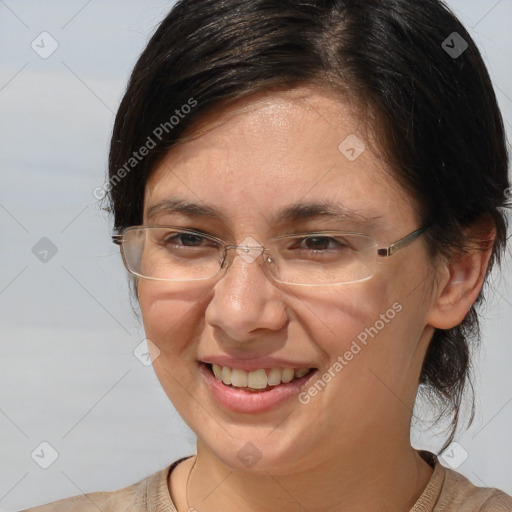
x=365, y=341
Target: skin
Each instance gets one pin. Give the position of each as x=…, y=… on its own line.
x=348, y=448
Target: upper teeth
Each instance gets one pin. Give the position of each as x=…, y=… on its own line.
x=257, y=379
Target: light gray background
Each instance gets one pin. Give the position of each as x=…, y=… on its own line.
x=68, y=375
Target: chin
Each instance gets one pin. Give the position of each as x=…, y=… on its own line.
x=254, y=451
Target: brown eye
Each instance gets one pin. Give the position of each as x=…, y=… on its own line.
x=185, y=239
x=321, y=243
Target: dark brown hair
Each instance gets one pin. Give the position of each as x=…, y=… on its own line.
x=405, y=64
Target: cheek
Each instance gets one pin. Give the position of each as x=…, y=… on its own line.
x=172, y=322
x=366, y=330
x=382, y=349
x=343, y=314
x=173, y=317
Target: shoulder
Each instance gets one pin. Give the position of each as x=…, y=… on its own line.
x=459, y=494
x=449, y=491
x=131, y=498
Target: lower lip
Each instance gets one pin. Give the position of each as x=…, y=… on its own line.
x=239, y=400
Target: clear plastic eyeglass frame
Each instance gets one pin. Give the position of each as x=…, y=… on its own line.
x=224, y=263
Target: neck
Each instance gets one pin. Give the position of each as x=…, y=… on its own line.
x=386, y=479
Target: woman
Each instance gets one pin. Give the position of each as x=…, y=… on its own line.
x=308, y=196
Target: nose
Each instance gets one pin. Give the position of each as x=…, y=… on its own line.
x=245, y=299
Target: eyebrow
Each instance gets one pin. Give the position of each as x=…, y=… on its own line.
x=295, y=211
x=168, y=206
x=328, y=209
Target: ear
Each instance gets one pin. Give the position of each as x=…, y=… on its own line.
x=462, y=277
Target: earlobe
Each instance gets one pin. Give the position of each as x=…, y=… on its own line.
x=464, y=276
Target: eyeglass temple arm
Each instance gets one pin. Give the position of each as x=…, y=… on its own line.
x=117, y=239
x=400, y=244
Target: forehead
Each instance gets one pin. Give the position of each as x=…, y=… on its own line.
x=273, y=150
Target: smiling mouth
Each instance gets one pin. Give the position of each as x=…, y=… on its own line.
x=262, y=379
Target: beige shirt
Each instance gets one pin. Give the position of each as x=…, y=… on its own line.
x=447, y=491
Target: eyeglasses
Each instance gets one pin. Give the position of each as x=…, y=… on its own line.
x=324, y=258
